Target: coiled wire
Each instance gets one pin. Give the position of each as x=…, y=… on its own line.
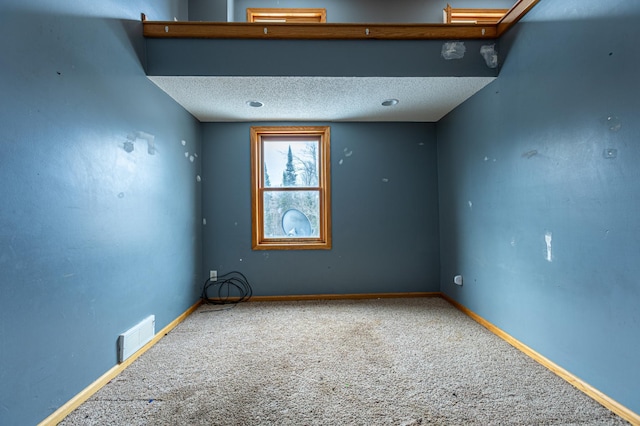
x=232, y=287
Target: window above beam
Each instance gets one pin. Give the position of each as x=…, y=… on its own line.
x=472, y=16
x=335, y=31
x=286, y=15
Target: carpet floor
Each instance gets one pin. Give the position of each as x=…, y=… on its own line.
x=402, y=362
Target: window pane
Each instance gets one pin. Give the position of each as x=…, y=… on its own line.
x=290, y=162
x=290, y=188
x=291, y=214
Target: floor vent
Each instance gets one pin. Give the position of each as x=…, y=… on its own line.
x=136, y=337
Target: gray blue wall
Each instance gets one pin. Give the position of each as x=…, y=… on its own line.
x=548, y=155
x=536, y=179
x=384, y=213
x=92, y=238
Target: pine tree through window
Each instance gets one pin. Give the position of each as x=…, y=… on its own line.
x=290, y=188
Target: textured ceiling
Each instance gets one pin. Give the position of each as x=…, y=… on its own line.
x=421, y=99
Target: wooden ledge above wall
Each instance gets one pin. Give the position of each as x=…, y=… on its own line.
x=327, y=31
x=335, y=31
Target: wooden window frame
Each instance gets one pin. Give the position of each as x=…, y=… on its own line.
x=472, y=16
x=258, y=188
x=287, y=15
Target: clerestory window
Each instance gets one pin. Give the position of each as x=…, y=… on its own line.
x=291, y=187
x=287, y=15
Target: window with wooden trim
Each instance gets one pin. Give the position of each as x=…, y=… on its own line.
x=287, y=15
x=291, y=187
x=472, y=16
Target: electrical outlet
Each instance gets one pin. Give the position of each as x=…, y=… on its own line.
x=213, y=275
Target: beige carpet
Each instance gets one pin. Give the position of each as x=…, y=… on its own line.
x=346, y=362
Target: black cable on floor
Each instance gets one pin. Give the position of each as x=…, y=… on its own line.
x=232, y=287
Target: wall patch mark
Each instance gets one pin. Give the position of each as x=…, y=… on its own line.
x=128, y=146
x=151, y=144
x=453, y=50
x=613, y=123
x=547, y=240
x=490, y=55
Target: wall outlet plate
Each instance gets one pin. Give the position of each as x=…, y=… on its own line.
x=213, y=275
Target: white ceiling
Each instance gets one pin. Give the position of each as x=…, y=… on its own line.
x=422, y=99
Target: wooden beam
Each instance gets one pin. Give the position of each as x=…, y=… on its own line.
x=327, y=31
x=514, y=15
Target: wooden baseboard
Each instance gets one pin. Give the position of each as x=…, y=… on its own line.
x=296, y=297
x=62, y=412
x=579, y=384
